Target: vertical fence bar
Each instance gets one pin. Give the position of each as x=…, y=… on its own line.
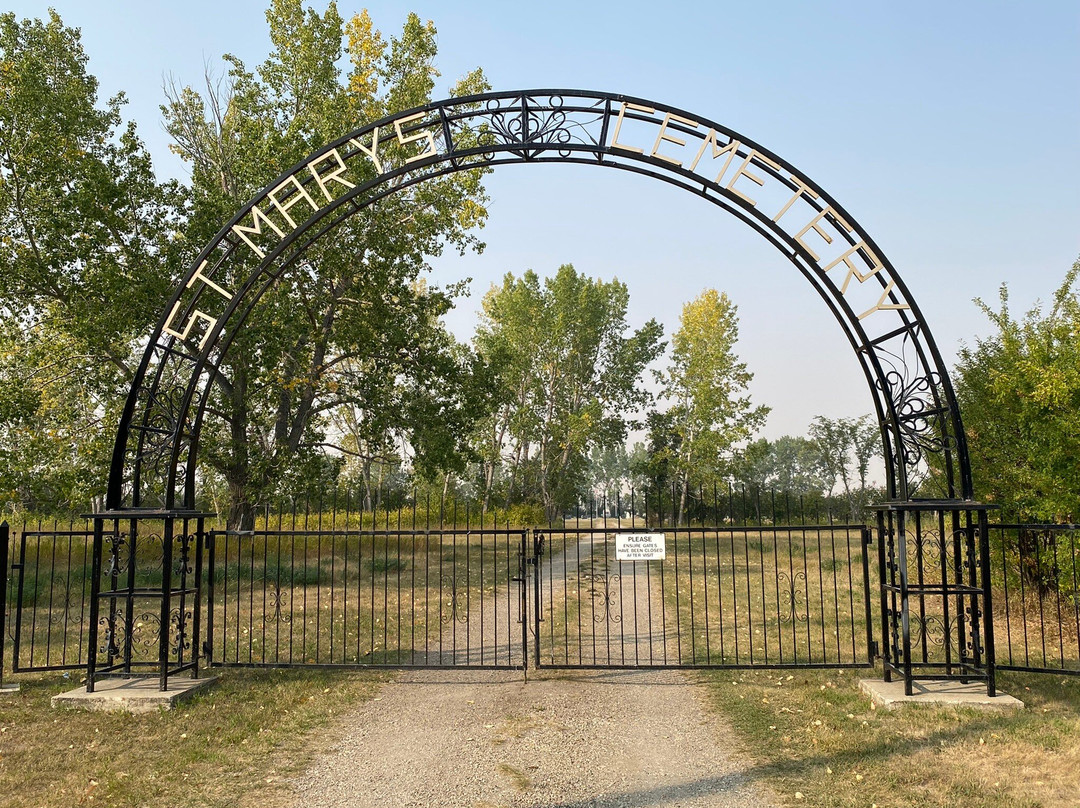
x=988, y=605
x=866, y=536
x=3, y=595
x=885, y=577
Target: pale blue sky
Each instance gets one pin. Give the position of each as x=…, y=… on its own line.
x=949, y=130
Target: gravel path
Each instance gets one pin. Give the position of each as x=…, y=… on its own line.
x=478, y=739
x=483, y=739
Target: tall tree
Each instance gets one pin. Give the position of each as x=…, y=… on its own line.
x=87, y=248
x=571, y=379
x=353, y=325
x=1019, y=392
x=707, y=384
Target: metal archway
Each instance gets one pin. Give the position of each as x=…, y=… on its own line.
x=157, y=439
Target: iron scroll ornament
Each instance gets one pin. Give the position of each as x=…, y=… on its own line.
x=156, y=447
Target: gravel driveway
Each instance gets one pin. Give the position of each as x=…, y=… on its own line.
x=487, y=739
x=478, y=739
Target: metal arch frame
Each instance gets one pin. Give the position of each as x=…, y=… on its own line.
x=909, y=383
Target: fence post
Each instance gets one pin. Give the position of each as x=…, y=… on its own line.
x=3, y=595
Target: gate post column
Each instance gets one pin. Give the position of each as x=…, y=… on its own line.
x=173, y=606
x=928, y=603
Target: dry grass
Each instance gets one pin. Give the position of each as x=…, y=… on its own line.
x=815, y=734
x=233, y=745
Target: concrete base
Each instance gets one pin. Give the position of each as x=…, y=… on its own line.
x=11, y=687
x=890, y=695
x=140, y=695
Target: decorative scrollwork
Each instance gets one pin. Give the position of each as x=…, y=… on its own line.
x=918, y=416
x=279, y=602
x=791, y=596
x=112, y=636
x=70, y=612
x=456, y=608
x=933, y=632
x=145, y=631
x=119, y=551
x=182, y=563
x=178, y=622
x=537, y=125
x=929, y=547
x=603, y=592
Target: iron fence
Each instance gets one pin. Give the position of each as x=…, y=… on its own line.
x=46, y=589
x=1036, y=576
x=747, y=580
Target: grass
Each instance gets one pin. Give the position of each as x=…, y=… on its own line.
x=814, y=734
x=233, y=745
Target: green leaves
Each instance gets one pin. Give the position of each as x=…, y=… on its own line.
x=570, y=379
x=711, y=410
x=87, y=249
x=347, y=353
x=1019, y=395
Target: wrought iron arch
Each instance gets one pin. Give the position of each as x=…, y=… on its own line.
x=156, y=444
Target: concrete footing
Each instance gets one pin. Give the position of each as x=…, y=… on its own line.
x=10, y=687
x=890, y=695
x=139, y=695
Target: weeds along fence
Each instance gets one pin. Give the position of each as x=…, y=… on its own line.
x=333, y=583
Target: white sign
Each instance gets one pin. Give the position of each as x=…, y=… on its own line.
x=639, y=546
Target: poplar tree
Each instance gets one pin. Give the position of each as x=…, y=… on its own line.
x=352, y=334
x=570, y=381
x=706, y=383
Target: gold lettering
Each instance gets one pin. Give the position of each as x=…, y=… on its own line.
x=801, y=189
x=334, y=175
x=425, y=135
x=615, y=144
x=742, y=172
x=373, y=151
x=730, y=149
x=670, y=138
x=198, y=276
x=256, y=216
x=881, y=305
x=283, y=207
x=853, y=270
x=196, y=315
x=815, y=225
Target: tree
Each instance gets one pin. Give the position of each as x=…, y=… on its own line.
x=711, y=410
x=845, y=448
x=1019, y=393
x=87, y=248
x=570, y=379
x=352, y=330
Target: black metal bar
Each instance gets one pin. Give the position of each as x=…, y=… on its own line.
x=166, y=598
x=4, y=531
x=988, y=605
x=866, y=536
x=885, y=575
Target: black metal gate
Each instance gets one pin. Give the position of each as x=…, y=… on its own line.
x=710, y=597
x=309, y=593
x=306, y=592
